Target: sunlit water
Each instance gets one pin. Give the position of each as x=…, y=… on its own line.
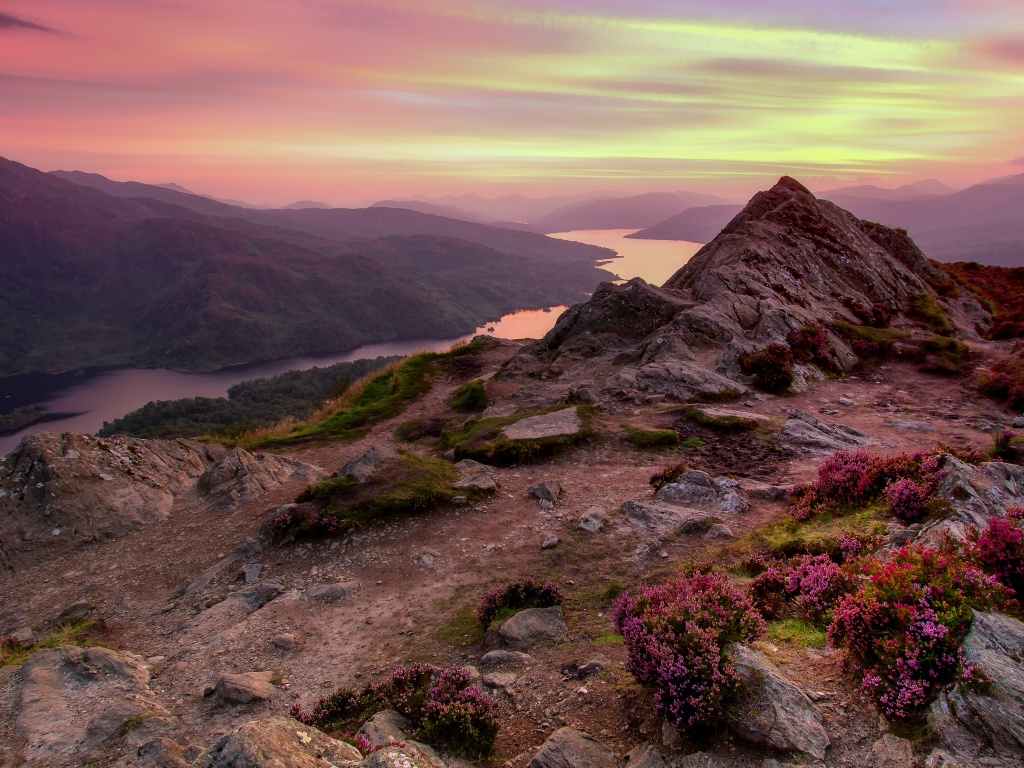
x=81, y=403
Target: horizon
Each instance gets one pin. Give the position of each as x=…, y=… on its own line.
x=348, y=103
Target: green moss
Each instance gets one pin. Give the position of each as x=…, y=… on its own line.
x=821, y=535
x=651, y=439
x=723, y=423
x=470, y=397
x=883, y=337
x=927, y=310
x=482, y=439
x=609, y=640
x=798, y=633
x=72, y=633
x=946, y=356
x=327, y=489
x=692, y=443
x=462, y=630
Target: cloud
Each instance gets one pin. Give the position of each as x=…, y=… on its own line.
x=1017, y=161
x=7, y=21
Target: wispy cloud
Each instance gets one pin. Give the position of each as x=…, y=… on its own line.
x=7, y=21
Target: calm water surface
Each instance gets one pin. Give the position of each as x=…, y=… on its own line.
x=82, y=402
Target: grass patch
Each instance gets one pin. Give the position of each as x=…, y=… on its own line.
x=651, y=439
x=930, y=314
x=692, y=443
x=609, y=640
x=470, y=397
x=73, y=633
x=462, y=630
x=797, y=633
x=482, y=439
x=822, y=535
x=721, y=423
x=946, y=356
x=132, y=723
x=419, y=429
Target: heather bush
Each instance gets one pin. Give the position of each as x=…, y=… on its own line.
x=771, y=367
x=811, y=584
x=848, y=480
x=517, y=595
x=909, y=501
x=668, y=475
x=1005, y=382
x=444, y=708
x=1000, y=551
x=903, y=629
x=810, y=344
x=676, y=635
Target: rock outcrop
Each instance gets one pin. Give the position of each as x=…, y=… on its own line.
x=278, y=741
x=58, y=491
x=569, y=748
x=786, y=261
x=976, y=495
x=533, y=626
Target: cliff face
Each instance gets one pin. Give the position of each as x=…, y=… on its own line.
x=786, y=261
x=58, y=491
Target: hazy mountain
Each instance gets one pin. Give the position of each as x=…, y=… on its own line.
x=518, y=208
x=92, y=279
x=912, y=191
x=300, y=205
x=448, y=211
x=623, y=212
x=698, y=225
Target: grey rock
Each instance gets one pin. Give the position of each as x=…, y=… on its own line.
x=459, y=501
x=81, y=609
x=569, y=748
x=277, y=742
x=913, y=426
x=156, y=753
x=240, y=477
x=410, y=754
x=893, y=752
x=1018, y=423
x=755, y=489
x=550, y=542
x=500, y=411
x=647, y=756
x=967, y=721
x=699, y=489
x=719, y=532
x=716, y=412
x=75, y=703
x=847, y=401
x=549, y=490
x=469, y=467
x=246, y=688
x=534, y=626
x=331, y=593
x=501, y=659
x=499, y=680
x=808, y=434
x=545, y=504
x=593, y=520
x=666, y=519
x=363, y=466
x=252, y=572
x=565, y=422
x=248, y=548
x=480, y=483
x=592, y=668
x=386, y=727
x=773, y=712
x=976, y=496
x=24, y=637
x=285, y=641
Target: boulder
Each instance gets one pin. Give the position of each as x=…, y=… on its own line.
x=385, y=728
x=365, y=464
x=59, y=491
x=968, y=722
x=534, y=626
x=246, y=688
x=698, y=489
x=719, y=532
x=549, y=490
x=772, y=711
x=76, y=702
x=976, y=495
x=666, y=519
x=278, y=742
x=331, y=593
x=569, y=748
x=476, y=483
x=502, y=659
x=469, y=467
x=410, y=754
x=593, y=520
x=230, y=611
x=804, y=433
x=563, y=423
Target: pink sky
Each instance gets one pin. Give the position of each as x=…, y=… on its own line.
x=271, y=101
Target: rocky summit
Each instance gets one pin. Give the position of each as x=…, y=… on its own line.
x=756, y=517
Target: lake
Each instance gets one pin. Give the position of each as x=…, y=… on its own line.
x=81, y=402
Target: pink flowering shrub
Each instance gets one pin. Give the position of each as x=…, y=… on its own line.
x=676, y=636
x=1000, y=551
x=516, y=595
x=904, y=627
x=811, y=584
x=810, y=344
x=300, y=520
x=855, y=479
x=909, y=501
x=441, y=704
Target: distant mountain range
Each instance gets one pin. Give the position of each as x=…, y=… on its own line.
x=105, y=273
x=983, y=223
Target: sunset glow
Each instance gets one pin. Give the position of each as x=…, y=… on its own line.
x=271, y=101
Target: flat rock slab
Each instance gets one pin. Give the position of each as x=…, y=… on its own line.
x=772, y=711
x=500, y=411
x=569, y=748
x=699, y=489
x=483, y=483
x=533, y=626
x=809, y=434
x=331, y=593
x=714, y=412
x=277, y=741
x=468, y=467
x=75, y=701
x=664, y=518
x=565, y=422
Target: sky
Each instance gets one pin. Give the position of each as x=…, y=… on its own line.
x=272, y=101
